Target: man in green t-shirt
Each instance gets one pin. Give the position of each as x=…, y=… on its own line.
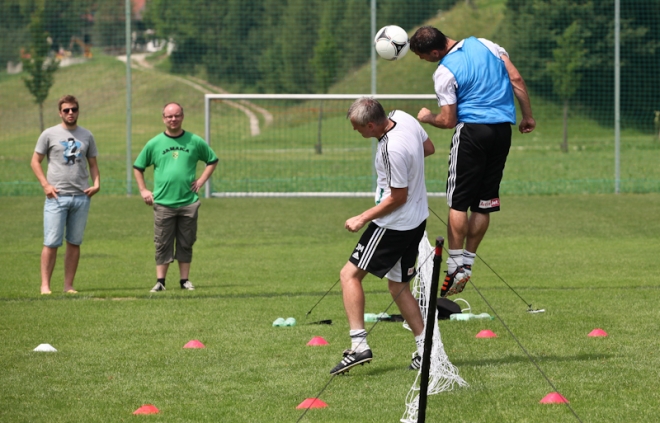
x=174, y=155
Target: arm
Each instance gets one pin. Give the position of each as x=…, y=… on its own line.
x=397, y=198
x=96, y=177
x=35, y=164
x=208, y=171
x=527, y=124
x=446, y=119
x=147, y=196
x=429, y=148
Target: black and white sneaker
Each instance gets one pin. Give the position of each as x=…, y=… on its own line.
x=351, y=359
x=187, y=285
x=416, y=362
x=158, y=287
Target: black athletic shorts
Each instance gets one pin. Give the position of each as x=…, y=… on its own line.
x=387, y=252
x=476, y=165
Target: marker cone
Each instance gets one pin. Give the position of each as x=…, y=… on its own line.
x=312, y=403
x=194, y=344
x=553, y=398
x=486, y=334
x=317, y=341
x=147, y=409
x=597, y=332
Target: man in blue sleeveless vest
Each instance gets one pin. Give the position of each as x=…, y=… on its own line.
x=475, y=83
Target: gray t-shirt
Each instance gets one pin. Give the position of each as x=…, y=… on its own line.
x=67, y=153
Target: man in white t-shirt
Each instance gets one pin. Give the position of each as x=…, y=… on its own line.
x=396, y=224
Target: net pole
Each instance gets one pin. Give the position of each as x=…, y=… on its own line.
x=430, y=327
x=129, y=112
x=207, y=136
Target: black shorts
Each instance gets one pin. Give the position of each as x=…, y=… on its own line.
x=387, y=252
x=476, y=165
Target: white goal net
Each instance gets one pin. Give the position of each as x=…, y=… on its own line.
x=443, y=375
x=301, y=145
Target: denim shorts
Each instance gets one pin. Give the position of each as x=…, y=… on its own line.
x=68, y=211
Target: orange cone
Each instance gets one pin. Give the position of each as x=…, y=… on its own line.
x=553, y=398
x=486, y=334
x=317, y=341
x=597, y=332
x=312, y=403
x=147, y=409
x=194, y=344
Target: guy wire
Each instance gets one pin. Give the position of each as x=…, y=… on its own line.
x=529, y=356
x=368, y=332
x=529, y=305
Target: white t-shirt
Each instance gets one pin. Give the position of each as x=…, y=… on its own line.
x=400, y=164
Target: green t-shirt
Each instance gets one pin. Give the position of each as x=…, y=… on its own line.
x=175, y=164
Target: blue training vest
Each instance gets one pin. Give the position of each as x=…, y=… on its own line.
x=484, y=93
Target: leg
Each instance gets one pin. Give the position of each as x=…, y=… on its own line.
x=161, y=270
x=457, y=229
x=48, y=258
x=164, y=229
x=408, y=305
x=351, y=285
x=184, y=270
x=71, y=259
x=477, y=227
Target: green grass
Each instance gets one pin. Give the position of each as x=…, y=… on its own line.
x=588, y=260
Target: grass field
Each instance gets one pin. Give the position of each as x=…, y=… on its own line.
x=590, y=261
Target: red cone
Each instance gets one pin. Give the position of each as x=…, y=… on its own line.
x=486, y=334
x=317, y=341
x=194, y=344
x=597, y=332
x=312, y=403
x=553, y=398
x=147, y=409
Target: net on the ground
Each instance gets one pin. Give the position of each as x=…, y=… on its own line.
x=443, y=375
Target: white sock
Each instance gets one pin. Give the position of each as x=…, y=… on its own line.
x=454, y=261
x=359, y=340
x=419, y=340
x=468, y=257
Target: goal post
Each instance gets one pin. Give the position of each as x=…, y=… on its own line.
x=299, y=145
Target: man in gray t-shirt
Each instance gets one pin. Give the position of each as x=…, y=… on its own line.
x=70, y=150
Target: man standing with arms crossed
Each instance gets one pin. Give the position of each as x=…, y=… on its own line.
x=475, y=84
x=70, y=149
x=396, y=224
x=174, y=155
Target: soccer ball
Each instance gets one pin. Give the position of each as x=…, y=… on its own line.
x=391, y=42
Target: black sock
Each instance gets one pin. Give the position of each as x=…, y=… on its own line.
x=161, y=280
x=182, y=281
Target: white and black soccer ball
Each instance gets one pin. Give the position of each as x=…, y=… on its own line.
x=391, y=42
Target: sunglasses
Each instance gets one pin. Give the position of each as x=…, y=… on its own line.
x=72, y=109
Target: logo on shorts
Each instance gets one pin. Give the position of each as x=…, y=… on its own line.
x=411, y=271
x=487, y=204
x=358, y=249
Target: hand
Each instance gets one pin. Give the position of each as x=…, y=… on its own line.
x=196, y=185
x=354, y=224
x=92, y=190
x=147, y=196
x=527, y=125
x=423, y=115
x=50, y=191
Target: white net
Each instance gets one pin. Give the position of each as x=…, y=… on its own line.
x=443, y=375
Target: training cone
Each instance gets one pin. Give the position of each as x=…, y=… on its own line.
x=312, y=403
x=553, y=398
x=317, y=341
x=147, y=409
x=486, y=334
x=194, y=344
x=597, y=332
x=45, y=347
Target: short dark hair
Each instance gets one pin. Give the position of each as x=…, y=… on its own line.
x=427, y=39
x=365, y=110
x=67, y=99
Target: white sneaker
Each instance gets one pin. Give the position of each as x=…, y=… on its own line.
x=187, y=285
x=158, y=287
